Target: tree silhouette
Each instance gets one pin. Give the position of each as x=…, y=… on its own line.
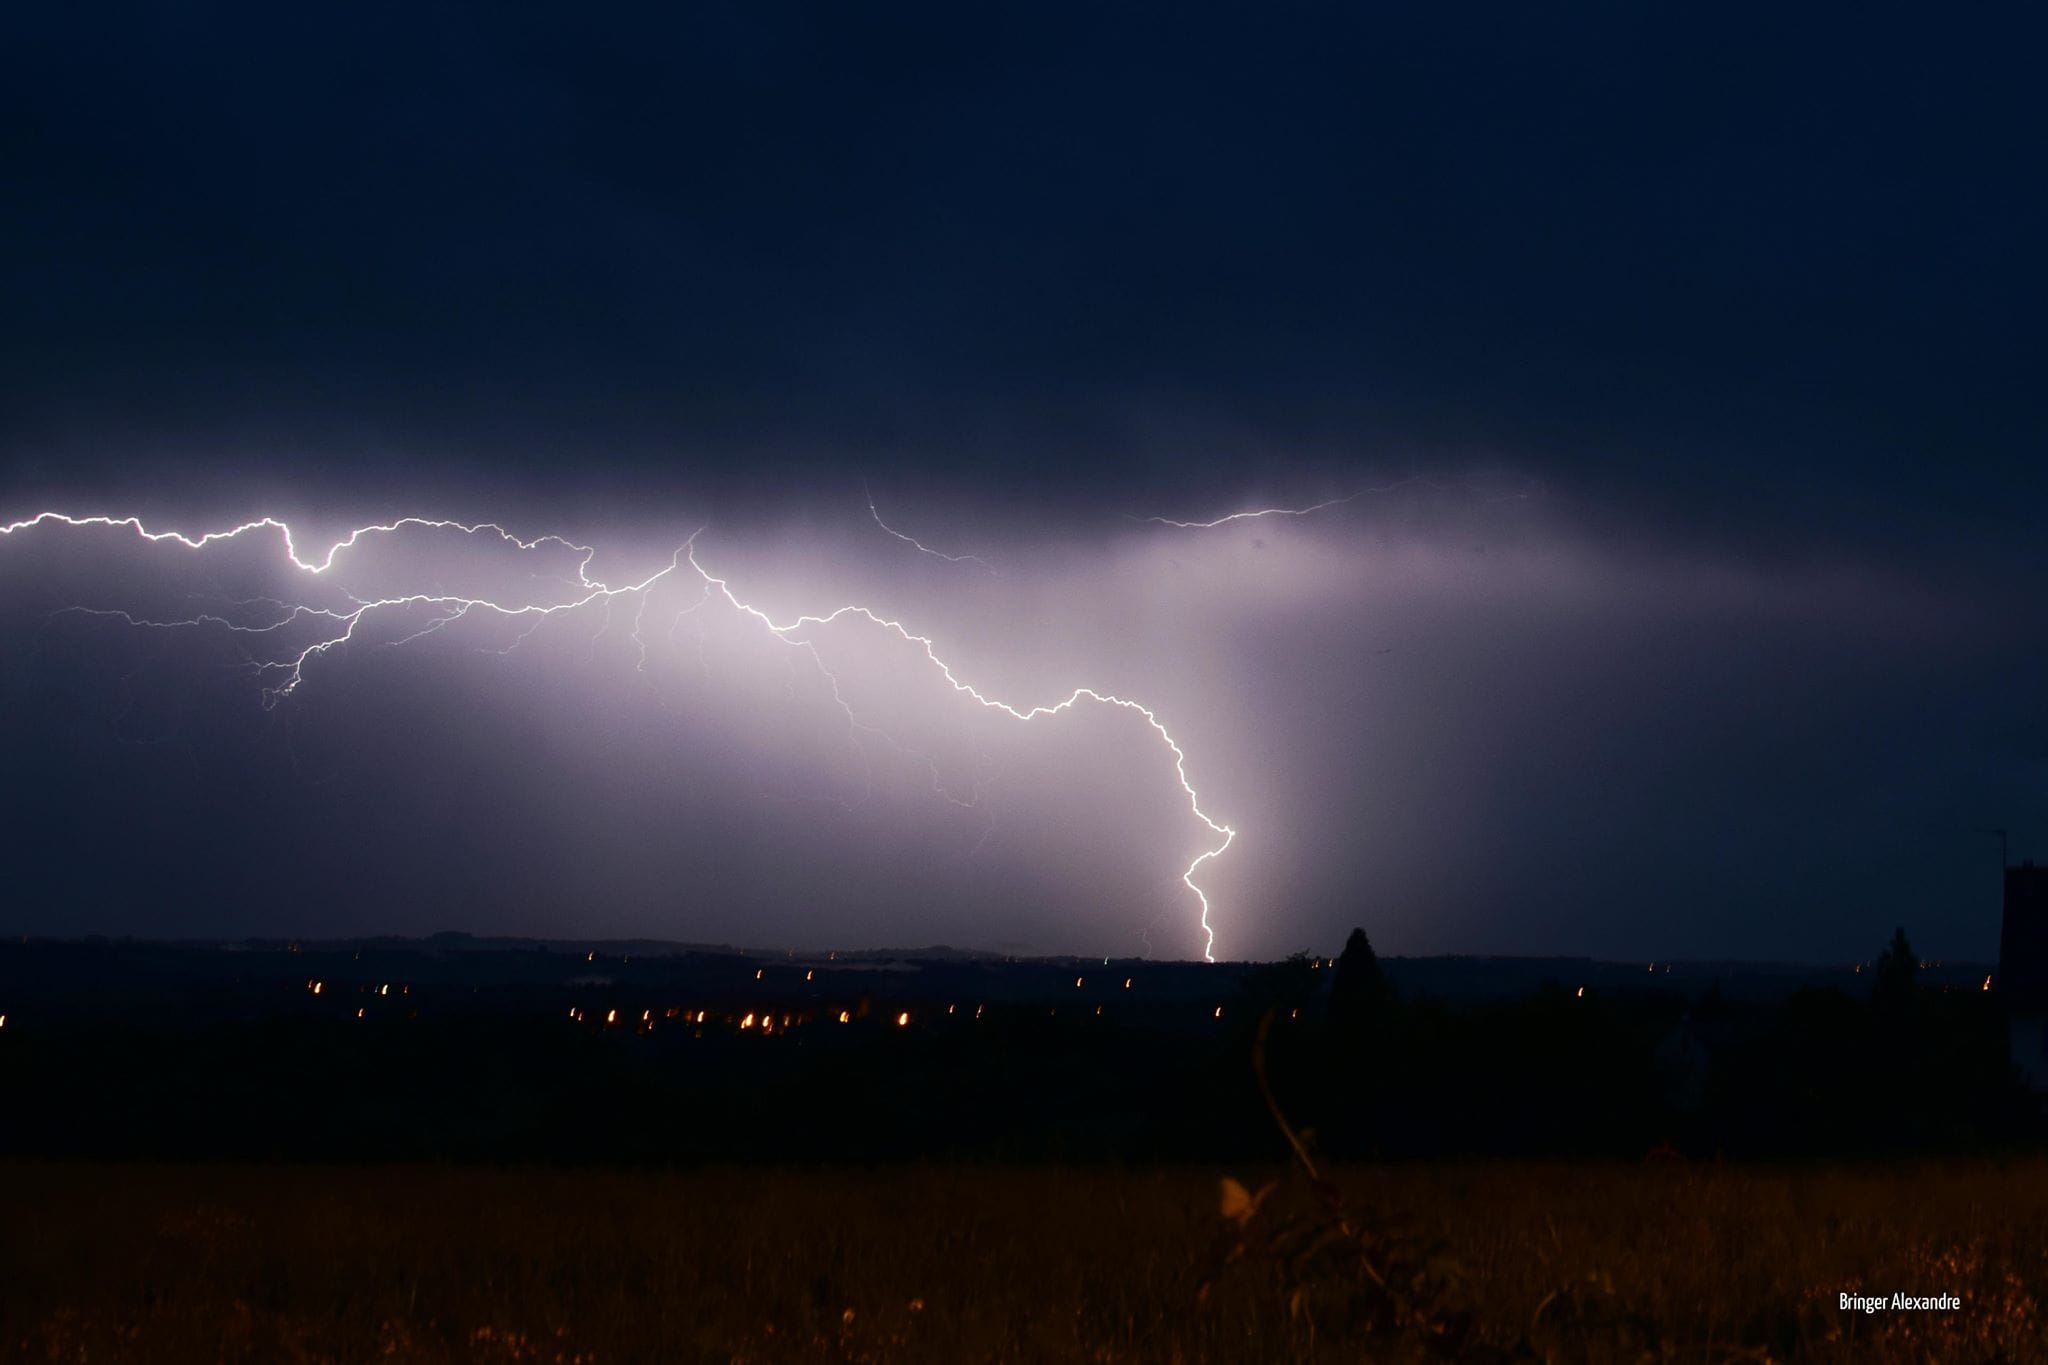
x=1359, y=995
x=1897, y=976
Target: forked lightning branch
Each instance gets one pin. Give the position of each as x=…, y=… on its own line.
x=285, y=673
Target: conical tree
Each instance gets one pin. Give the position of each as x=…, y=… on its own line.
x=1898, y=973
x=1359, y=995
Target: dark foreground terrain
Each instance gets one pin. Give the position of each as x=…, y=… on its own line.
x=1662, y=1261
x=454, y=1051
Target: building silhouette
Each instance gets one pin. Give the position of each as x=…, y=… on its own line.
x=2023, y=969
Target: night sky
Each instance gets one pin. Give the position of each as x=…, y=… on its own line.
x=1681, y=373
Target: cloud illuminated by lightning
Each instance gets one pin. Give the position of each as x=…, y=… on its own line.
x=289, y=669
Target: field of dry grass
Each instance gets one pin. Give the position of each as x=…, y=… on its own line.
x=232, y=1264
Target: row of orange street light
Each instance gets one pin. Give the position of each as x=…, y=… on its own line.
x=747, y=1021
x=902, y=1018
x=768, y=1022
x=318, y=987
x=384, y=988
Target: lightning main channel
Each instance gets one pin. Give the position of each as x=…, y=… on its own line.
x=289, y=669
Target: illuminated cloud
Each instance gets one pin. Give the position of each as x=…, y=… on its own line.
x=1445, y=714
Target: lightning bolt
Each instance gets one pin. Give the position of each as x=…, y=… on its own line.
x=919, y=545
x=444, y=609
x=1411, y=481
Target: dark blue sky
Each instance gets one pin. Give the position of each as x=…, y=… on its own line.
x=1747, y=301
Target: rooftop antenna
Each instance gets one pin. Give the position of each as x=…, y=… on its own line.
x=2004, y=855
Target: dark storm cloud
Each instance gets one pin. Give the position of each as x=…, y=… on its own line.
x=1739, y=268
x=1728, y=321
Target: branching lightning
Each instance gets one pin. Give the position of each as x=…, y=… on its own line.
x=284, y=674
x=1413, y=480
x=919, y=545
x=1311, y=509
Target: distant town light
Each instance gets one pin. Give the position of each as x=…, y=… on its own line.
x=1098, y=1011
x=757, y=972
x=949, y=1009
x=359, y=1011
x=1077, y=983
x=1127, y=983
x=3, y=1021
x=700, y=1016
x=903, y=1019
x=842, y=1016
x=1219, y=1011
x=748, y=1022
x=611, y=1016
x=809, y=974
x=977, y=1011
x=1985, y=987
x=1582, y=991
x=384, y=989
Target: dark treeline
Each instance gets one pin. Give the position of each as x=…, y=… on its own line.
x=1903, y=1069
x=509, y=1076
